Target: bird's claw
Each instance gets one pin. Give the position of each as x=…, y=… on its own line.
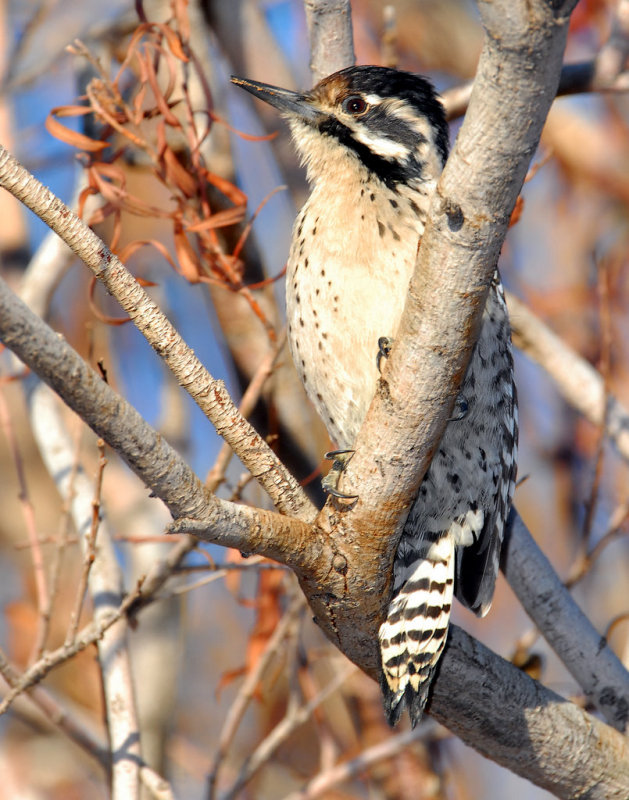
x=385, y=343
x=461, y=407
x=340, y=460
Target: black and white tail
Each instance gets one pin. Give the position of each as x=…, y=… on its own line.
x=414, y=634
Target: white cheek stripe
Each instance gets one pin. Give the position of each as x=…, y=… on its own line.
x=381, y=145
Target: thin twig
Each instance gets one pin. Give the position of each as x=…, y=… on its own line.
x=616, y=529
x=249, y=400
x=295, y=717
x=617, y=620
x=347, y=770
x=256, y=563
x=247, y=691
x=69, y=724
x=28, y=512
x=89, y=635
x=156, y=786
x=604, y=367
x=89, y=550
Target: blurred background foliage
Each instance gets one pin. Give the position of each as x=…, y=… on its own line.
x=178, y=176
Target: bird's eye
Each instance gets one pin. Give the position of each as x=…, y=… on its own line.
x=355, y=105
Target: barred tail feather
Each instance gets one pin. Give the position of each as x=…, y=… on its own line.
x=414, y=634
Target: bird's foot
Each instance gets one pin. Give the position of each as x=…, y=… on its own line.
x=385, y=343
x=461, y=407
x=340, y=460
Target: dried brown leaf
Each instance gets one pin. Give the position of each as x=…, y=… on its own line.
x=67, y=135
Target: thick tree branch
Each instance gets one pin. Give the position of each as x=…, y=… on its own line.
x=331, y=40
x=516, y=82
x=549, y=741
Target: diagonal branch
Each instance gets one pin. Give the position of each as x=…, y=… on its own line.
x=565, y=627
x=342, y=561
x=578, y=381
x=209, y=394
x=146, y=452
x=548, y=740
x=517, y=79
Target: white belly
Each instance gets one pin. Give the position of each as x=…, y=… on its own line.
x=339, y=303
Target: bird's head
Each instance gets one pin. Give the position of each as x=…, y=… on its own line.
x=385, y=121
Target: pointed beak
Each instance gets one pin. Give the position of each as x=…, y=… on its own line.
x=292, y=104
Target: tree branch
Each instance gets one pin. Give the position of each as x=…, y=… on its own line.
x=548, y=741
x=579, y=382
x=342, y=560
x=605, y=73
x=105, y=587
x=331, y=40
x=209, y=394
x=565, y=627
x=152, y=459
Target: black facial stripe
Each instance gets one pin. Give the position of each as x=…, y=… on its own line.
x=415, y=90
x=381, y=123
x=389, y=171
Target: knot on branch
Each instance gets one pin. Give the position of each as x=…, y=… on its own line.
x=454, y=213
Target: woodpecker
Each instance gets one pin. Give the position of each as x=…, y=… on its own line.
x=374, y=141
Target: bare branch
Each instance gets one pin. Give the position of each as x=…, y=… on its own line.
x=577, y=380
x=245, y=408
x=89, y=548
x=578, y=78
x=145, y=451
x=246, y=692
x=89, y=635
x=584, y=562
x=607, y=72
x=471, y=678
x=331, y=41
x=157, y=787
x=293, y=719
x=347, y=770
x=565, y=627
x=103, y=576
x=208, y=393
x=69, y=724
